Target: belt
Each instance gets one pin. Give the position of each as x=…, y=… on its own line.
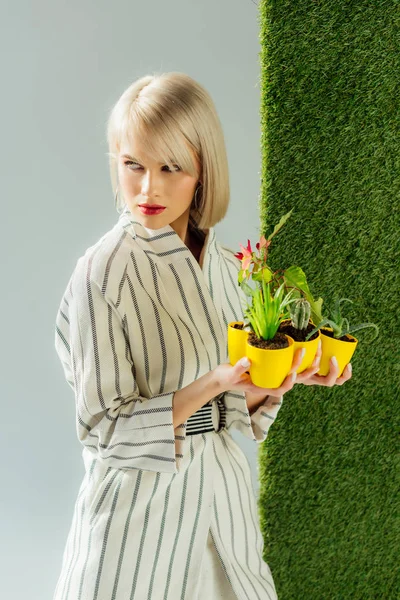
x=210, y=417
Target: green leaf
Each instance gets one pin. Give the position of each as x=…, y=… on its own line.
x=363, y=326
x=295, y=277
x=263, y=274
x=321, y=324
x=316, y=310
x=345, y=326
x=337, y=328
x=247, y=289
x=280, y=224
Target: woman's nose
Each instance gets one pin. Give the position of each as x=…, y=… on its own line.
x=149, y=182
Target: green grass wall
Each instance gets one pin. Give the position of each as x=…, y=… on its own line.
x=329, y=469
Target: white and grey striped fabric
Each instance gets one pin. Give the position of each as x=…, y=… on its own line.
x=140, y=319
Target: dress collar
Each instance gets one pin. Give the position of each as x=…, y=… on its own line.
x=165, y=242
x=165, y=247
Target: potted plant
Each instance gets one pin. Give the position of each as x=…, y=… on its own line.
x=238, y=330
x=270, y=352
x=336, y=339
x=237, y=338
x=298, y=326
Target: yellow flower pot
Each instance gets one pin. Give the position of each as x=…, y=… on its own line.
x=237, y=339
x=269, y=368
x=334, y=347
x=311, y=349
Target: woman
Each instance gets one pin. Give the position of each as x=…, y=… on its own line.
x=166, y=508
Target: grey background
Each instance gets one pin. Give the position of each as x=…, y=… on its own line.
x=64, y=64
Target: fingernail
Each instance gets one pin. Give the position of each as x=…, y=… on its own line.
x=294, y=375
x=350, y=367
x=244, y=362
x=319, y=344
x=334, y=360
x=302, y=352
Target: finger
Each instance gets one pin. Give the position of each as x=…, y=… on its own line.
x=314, y=380
x=333, y=372
x=245, y=377
x=318, y=355
x=307, y=374
x=298, y=357
x=328, y=380
x=287, y=385
x=347, y=374
x=313, y=369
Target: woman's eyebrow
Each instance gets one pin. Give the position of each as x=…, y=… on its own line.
x=139, y=161
x=131, y=157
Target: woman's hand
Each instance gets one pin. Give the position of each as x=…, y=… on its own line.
x=307, y=377
x=310, y=377
x=236, y=378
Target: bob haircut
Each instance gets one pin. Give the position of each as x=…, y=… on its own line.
x=165, y=113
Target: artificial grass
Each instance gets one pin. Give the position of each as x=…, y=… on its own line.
x=330, y=125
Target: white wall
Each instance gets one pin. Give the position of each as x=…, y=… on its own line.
x=64, y=64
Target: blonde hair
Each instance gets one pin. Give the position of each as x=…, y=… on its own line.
x=162, y=112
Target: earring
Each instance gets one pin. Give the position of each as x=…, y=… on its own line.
x=116, y=200
x=196, y=204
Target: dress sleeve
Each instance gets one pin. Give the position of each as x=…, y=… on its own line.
x=114, y=422
x=61, y=338
x=254, y=425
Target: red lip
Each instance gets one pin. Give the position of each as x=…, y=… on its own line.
x=146, y=210
x=152, y=205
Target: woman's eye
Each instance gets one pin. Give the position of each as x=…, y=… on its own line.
x=129, y=162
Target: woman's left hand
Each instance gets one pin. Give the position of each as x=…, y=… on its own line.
x=310, y=377
x=307, y=377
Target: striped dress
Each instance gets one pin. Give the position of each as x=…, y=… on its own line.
x=160, y=514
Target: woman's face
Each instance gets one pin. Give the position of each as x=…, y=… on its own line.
x=144, y=181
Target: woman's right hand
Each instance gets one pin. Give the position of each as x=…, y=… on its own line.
x=236, y=378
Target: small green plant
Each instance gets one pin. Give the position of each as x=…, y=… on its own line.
x=339, y=324
x=300, y=312
x=266, y=311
